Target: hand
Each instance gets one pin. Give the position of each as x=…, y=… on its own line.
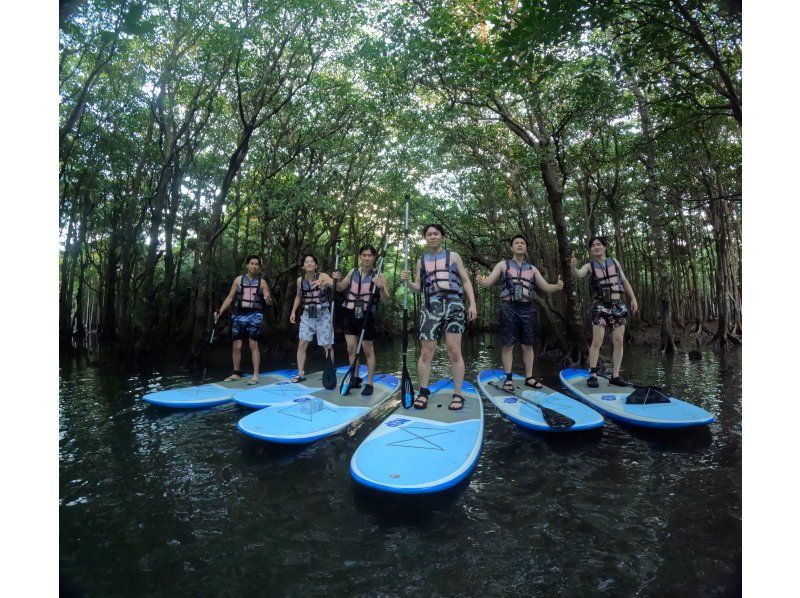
x=380, y=281
x=560, y=283
x=325, y=280
x=472, y=313
x=404, y=275
x=268, y=299
x=336, y=275
x=634, y=306
x=479, y=277
x=216, y=315
x=293, y=318
x=573, y=261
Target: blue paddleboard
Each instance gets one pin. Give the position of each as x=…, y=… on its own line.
x=417, y=451
x=315, y=414
x=526, y=414
x=611, y=401
x=215, y=393
x=284, y=390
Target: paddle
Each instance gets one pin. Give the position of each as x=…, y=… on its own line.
x=344, y=387
x=552, y=418
x=643, y=395
x=406, y=388
x=328, y=371
x=210, y=342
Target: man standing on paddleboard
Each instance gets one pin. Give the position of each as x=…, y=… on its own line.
x=360, y=283
x=316, y=318
x=518, y=280
x=249, y=294
x=442, y=279
x=608, y=287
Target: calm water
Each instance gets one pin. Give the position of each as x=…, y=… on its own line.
x=163, y=503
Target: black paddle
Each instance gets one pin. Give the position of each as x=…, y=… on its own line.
x=328, y=371
x=406, y=388
x=210, y=342
x=344, y=387
x=643, y=395
x=552, y=418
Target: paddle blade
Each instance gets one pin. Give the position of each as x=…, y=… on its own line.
x=554, y=419
x=328, y=375
x=645, y=395
x=406, y=390
x=344, y=387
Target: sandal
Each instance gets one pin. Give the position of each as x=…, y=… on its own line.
x=298, y=378
x=421, y=402
x=457, y=400
x=618, y=381
x=253, y=382
x=232, y=377
x=367, y=390
x=592, y=382
x=508, y=385
x=536, y=383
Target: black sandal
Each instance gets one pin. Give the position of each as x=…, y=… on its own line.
x=536, y=383
x=457, y=400
x=508, y=386
x=298, y=378
x=421, y=402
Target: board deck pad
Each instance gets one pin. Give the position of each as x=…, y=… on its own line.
x=212, y=394
x=417, y=451
x=529, y=416
x=610, y=400
x=317, y=413
x=283, y=391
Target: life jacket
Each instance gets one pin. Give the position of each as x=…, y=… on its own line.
x=313, y=295
x=360, y=290
x=439, y=276
x=517, y=275
x=605, y=276
x=249, y=294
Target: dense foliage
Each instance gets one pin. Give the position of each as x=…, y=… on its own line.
x=195, y=132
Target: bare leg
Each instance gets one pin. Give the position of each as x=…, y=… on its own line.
x=255, y=355
x=527, y=358
x=598, y=332
x=301, y=356
x=453, y=341
x=237, y=354
x=617, y=338
x=507, y=355
x=426, y=352
x=369, y=351
x=352, y=345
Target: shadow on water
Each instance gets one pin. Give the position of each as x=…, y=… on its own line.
x=686, y=440
x=404, y=510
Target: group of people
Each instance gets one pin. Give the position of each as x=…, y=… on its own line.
x=442, y=280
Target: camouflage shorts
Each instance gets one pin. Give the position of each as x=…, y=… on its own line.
x=442, y=316
x=247, y=325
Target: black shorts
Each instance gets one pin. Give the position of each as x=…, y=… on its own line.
x=516, y=323
x=352, y=326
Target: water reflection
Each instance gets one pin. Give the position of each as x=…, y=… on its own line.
x=154, y=501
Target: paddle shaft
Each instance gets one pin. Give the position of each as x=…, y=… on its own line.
x=405, y=293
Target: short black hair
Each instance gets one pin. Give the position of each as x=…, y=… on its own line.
x=370, y=247
x=253, y=257
x=519, y=237
x=438, y=227
x=307, y=255
x=600, y=238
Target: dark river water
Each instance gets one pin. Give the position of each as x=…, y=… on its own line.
x=165, y=503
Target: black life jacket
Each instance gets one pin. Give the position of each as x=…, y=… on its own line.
x=605, y=276
x=439, y=276
x=517, y=275
x=313, y=295
x=249, y=294
x=360, y=290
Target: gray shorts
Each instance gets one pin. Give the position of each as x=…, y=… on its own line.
x=445, y=314
x=321, y=326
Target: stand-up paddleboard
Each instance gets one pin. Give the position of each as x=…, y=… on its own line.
x=284, y=390
x=315, y=415
x=614, y=402
x=417, y=451
x=213, y=394
x=524, y=412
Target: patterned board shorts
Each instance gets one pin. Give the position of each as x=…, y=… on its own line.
x=443, y=315
x=247, y=325
x=608, y=314
x=321, y=326
x=516, y=323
